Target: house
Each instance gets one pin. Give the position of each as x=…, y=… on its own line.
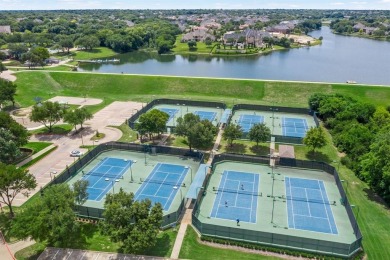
x=5, y=29
x=280, y=28
x=365, y=29
x=129, y=23
x=250, y=37
x=199, y=34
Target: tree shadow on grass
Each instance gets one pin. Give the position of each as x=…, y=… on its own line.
x=86, y=231
x=162, y=247
x=371, y=195
x=236, y=148
x=318, y=156
x=260, y=149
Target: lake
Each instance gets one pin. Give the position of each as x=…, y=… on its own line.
x=338, y=59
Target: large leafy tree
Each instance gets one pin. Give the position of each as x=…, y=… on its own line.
x=77, y=117
x=232, y=132
x=315, y=138
x=9, y=148
x=13, y=181
x=50, y=218
x=80, y=191
x=7, y=91
x=87, y=42
x=19, y=132
x=2, y=67
x=154, y=121
x=133, y=223
x=259, y=133
x=47, y=113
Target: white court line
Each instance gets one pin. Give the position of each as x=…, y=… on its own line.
x=309, y=216
x=253, y=188
x=145, y=184
x=54, y=257
x=71, y=252
x=219, y=203
x=307, y=202
x=326, y=210
x=292, y=205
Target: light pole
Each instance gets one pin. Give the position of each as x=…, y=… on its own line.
x=178, y=188
x=338, y=165
x=131, y=170
x=346, y=189
x=52, y=173
x=357, y=216
x=189, y=167
x=113, y=182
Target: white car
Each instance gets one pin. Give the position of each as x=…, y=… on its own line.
x=76, y=153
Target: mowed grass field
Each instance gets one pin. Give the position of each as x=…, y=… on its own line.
x=374, y=217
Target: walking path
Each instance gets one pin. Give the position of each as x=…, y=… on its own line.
x=35, y=155
x=187, y=219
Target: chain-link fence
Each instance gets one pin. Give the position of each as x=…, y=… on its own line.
x=97, y=213
x=314, y=245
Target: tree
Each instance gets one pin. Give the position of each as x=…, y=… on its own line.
x=184, y=126
x=2, y=67
x=9, y=149
x=259, y=133
x=7, y=91
x=77, y=117
x=87, y=42
x=13, y=181
x=315, y=138
x=135, y=224
x=19, y=132
x=50, y=218
x=47, y=113
x=80, y=191
x=66, y=43
x=201, y=135
x=192, y=45
x=208, y=41
x=154, y=121
x=231, y=133
x=36, y=56
x=17, y=50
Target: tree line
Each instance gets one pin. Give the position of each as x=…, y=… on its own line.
x=362, y=132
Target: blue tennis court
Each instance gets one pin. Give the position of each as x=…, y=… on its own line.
x=103, y=176
x=247, y=121
x=170, y=111
x=206, y=115
x=162, y=184
x=308, y=206
x=295, y=127
x=237, y=197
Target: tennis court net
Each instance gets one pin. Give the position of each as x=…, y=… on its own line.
x=295, y=125
x=162, y=182
x=310, y=200
x=240, y=191
x=104, y=175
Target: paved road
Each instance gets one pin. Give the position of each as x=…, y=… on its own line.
x=114, y=114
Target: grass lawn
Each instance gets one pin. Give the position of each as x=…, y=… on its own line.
x=96, y=53
x=177, y=141
x=33, y=161
x=91, y=239
x=56, y=129
x=192, y=249
x=128, y=134
x=182, y=47
x=37, y=146
x=47, y=84
x=244, y=147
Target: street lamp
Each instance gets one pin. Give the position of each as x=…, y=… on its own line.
x=131, y=170
x=189, y=167
x=52, y=173
x=346, y=189
x=338, y=164
x=357, y=216
x=113, y=182
x=181, y=194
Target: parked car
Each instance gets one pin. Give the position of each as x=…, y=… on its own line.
x=76, y=153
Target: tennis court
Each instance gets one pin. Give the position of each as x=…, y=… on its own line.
x=104, y=175
x=237, y=197
x=162, y=184
x=206, y=115
x=246, y=121
x=170, y=111
x=295, y=127
x=308, y=206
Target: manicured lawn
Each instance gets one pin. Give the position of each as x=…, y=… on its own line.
x=47, y=84
x=56, y=129
x=37, y=146
x=182, y=47
x=244, y=147
x=96, y=53
x=91, y=239
x=37, y=159
x=129, y=135
x=192, y=249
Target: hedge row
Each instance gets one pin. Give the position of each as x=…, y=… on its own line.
x=282, y=251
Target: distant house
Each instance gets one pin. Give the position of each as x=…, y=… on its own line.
x=5, y=29
x=129, y=23
x=365, y=29
x=250, y=37
x=198, y=34
x=280, y=28
x=52, y=60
